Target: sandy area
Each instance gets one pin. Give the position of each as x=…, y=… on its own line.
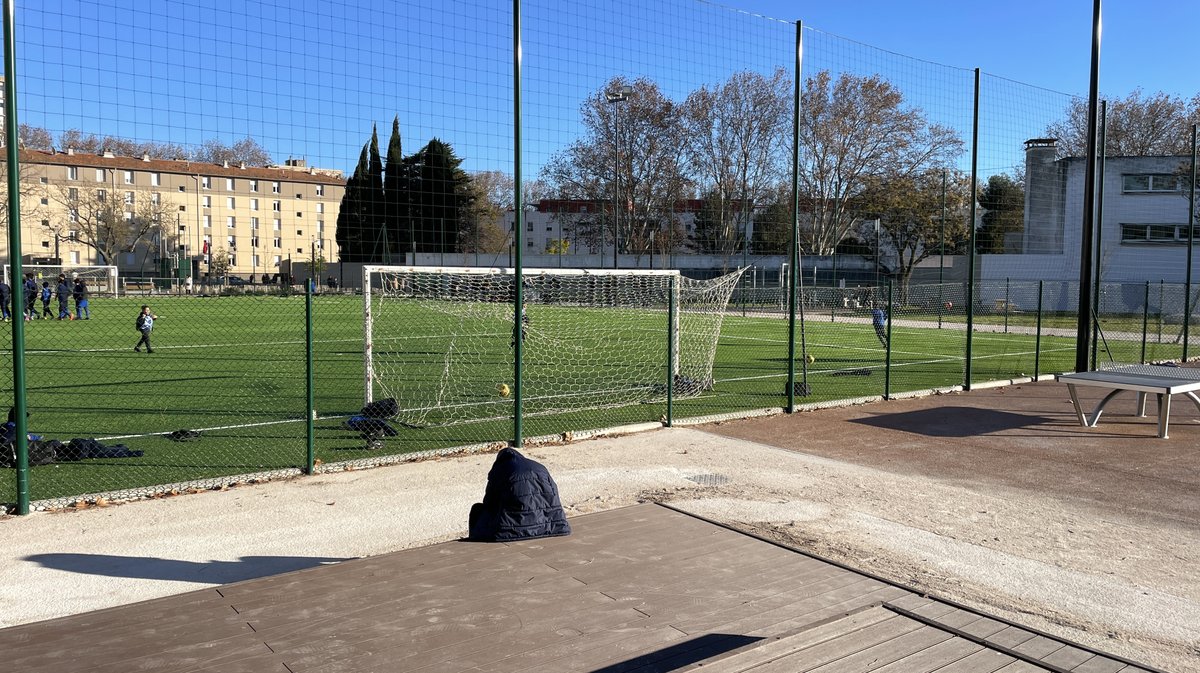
x=1130, y=586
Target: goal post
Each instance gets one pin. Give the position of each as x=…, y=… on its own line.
x=441, y=340
x=101, y=280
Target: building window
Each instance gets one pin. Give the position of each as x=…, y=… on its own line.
x=1157, y=234
x=73, y=193
x=99, y=175
x=206, y=182
x=230, y=222
x=276, y=242
x=276, y=260
x=73, y=214
x=156, y=198
x=299, y=214
x=183, y=209
x=320, y=226
x=256, y=261
x=254, y=244
x=232, y=259
x=230, y=203
x=276, y=225
x=156, y=179
x=1147, y=183
x=299, y=232
x=45, y=201
x=72, y=235
x=320, y=207
x=299, y=250
x=299, y=195
x=74, y=256
x=320, y=190
x=129, y=198
x=72, y=172
x=182, y=228
x=231, y=240
x=129, y=177
x=529, y=226
x=276, y=206
x=101, y=195
x=182, y=188
x=254, y=224
x=274, y=187
x=206, y=201
x=207, y=221
x=254, y=185
x=229, y=184
x=253, y=204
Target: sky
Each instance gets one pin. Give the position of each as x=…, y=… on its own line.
x=309, y=78
x=1042, y=42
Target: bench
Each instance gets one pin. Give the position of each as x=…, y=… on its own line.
x=1142, y=379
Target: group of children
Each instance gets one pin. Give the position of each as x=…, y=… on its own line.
x=66, y=290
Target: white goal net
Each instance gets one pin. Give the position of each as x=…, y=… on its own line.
x=100, y=280
x=441, y=341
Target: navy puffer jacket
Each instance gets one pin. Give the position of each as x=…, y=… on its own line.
x=521, y=502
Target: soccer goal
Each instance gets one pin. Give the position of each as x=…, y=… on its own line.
x=441, y=341
x=100, y=280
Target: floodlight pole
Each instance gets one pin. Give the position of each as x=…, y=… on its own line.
x=1083, y=319
x=13, y=165
x=619, y=96
x=518, y=228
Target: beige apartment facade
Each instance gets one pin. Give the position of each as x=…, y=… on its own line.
x=179, y=214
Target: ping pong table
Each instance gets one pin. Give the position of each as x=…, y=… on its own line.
x=1163, y=381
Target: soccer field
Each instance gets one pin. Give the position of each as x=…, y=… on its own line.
x=234, y=369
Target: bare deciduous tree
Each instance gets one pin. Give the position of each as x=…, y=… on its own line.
x=93, y=144
x=109, y=222
x=854, y=129
x=629, y=163
x=736, y=136
x=247, y=151
x=1136, y=126
x=909, y=209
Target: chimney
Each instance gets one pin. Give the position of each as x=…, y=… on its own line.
x=1044, y=184
x=109, y=155
x=145, y=157
x=242, y=165
x=225, y=164
x=70, y=151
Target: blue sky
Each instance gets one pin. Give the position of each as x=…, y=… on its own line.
x=1042, y=42
x=308, y=78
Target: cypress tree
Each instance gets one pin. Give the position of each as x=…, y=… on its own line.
x=351, y=222
x=443, y=194
x=376, y=204
x=395, y=191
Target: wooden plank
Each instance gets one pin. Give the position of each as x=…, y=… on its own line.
x=1068, y=657
x=1021, y=667
x=984, y=661
x=774, y=648
x=1009, y=637
x=958, y=619
x=887, y=652
x=912, y=602
x=1099, y=664
x=880, y=595
x=837, y=649
x=1039, y=647
x=983, y=628
x=933, y=658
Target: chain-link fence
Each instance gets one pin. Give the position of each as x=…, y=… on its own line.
x=899, y=225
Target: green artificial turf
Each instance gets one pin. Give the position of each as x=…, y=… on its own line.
x=234, y=369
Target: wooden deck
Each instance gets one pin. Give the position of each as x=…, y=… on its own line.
x=643, y=588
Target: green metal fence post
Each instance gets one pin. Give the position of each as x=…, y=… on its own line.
x=671, y=309
x=311, y=414
x=1037, y=339
x=971, y=234
x=14, y=243
x=1007, y=301
x=1145, y=320
x=794, y=280
x=887, y=362
x=518, y=236
x=1187, y=292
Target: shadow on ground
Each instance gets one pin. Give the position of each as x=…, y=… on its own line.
x=953, y=421
x=206, y=572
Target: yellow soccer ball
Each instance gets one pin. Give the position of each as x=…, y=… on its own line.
x=503, y=390
x=809, y=358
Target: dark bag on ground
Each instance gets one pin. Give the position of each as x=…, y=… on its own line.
x=386, y=408
x=520, y=502
x=371, y=428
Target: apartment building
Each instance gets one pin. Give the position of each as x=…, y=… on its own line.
x=257, y=217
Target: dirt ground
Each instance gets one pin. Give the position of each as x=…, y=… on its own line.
x=1000, y=500
x=996, y=498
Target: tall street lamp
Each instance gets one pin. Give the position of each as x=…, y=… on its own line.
x=619, y=96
